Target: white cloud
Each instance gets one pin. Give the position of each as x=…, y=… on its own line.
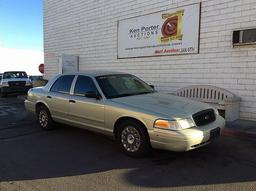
x=17, y=59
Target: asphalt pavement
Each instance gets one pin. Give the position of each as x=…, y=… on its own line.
x=68, y=159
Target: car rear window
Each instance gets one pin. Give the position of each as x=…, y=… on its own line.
x=63, y=84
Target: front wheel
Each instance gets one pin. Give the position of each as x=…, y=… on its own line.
x=133, y=139
x=44, y=118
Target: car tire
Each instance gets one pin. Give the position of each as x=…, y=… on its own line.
x=44, y=118
x=133, y=139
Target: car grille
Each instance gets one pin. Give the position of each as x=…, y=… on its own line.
x=17, y=83
x=204, y=117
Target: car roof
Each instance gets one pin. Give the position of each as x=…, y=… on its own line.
x=14, y=71
x=95, y=73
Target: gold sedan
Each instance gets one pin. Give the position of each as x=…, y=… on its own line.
x=127, y=108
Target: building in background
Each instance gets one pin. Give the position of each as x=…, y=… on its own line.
x=171, y=44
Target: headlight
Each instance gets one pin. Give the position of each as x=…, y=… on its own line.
x=5, y=84
x=175, y=125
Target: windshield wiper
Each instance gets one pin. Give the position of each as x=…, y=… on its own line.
x=131, y=94
x=122, y=95
x=143, y=93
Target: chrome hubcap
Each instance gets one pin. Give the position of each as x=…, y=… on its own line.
x=131, y=139
x=43, y=118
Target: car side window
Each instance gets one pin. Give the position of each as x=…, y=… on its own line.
x=63, y=84
x=83, y=85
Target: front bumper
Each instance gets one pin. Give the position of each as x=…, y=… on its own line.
x=15, y=89
x=186, y=139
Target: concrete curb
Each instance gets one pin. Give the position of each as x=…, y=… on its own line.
x=237, y=133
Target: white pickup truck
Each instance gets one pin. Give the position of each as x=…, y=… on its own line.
x=14, y=82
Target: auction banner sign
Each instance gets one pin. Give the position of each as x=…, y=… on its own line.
x=170, y=32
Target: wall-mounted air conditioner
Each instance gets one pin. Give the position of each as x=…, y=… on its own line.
x=244, y=37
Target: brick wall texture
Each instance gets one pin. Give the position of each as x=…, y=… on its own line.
x=89, y=29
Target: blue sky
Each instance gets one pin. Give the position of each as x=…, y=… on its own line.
x=21, y=24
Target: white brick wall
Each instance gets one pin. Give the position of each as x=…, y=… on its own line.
x=89, y=29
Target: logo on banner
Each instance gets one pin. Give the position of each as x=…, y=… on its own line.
x=172, y=26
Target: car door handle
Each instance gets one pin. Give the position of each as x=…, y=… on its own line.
x=72, y=101
x=49, y=97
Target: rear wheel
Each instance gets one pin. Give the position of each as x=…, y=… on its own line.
x=44, y=118
x=133, y=139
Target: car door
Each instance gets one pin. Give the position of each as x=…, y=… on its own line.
x=84, y=111
x=58, y=97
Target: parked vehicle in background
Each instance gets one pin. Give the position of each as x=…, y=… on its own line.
x=127, y=108
x=14, y=82
x=35, y=78
x=38, y=81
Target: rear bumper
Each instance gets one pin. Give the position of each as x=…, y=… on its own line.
x=30, y=106
x=187, y=139
x=17, y=89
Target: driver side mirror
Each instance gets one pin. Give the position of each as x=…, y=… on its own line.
x=92, y=94
x=152, y=86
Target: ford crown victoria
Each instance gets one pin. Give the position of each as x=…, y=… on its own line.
x=127, y=108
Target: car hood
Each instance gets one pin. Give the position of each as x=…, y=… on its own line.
x=165, y=105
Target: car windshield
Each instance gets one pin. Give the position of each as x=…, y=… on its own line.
x=121, y=85
x=9, y=75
